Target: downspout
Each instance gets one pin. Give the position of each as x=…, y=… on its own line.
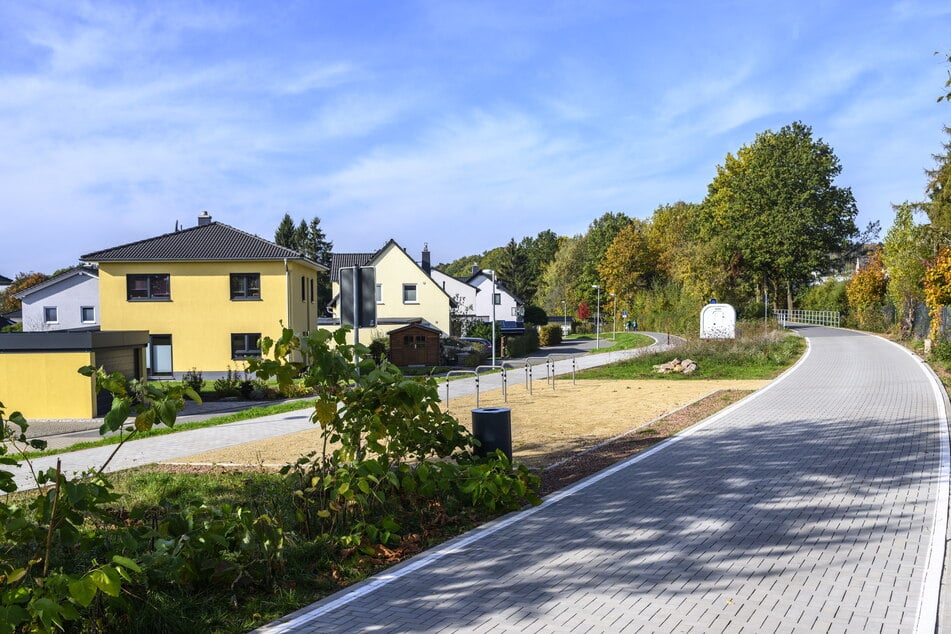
x=287, y=289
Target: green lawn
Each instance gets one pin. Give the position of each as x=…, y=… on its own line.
x=760, y=357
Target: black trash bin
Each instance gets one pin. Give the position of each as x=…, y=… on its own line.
x=492, y=426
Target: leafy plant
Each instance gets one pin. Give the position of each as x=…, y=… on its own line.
x=228, y=385
x=194, y=380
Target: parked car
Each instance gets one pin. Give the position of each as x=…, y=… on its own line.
x=482, y=345
x=453, y=350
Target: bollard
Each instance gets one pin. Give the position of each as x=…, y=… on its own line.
x=492, y=427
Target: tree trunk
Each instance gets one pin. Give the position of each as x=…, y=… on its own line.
x=789, y=296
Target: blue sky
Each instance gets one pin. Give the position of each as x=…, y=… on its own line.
x=460, y=125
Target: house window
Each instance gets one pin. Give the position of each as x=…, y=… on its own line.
x=311, y=290
x=245, y=345
x=303, y=288
x=379, y=293
x=409, y=294
x=497, y=299
x=87, y=314
x=50, y=315
x=245, y=286
x=150, y=287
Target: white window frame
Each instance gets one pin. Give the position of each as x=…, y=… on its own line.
x=379, y=293
x=415, y=291
x=82, y=310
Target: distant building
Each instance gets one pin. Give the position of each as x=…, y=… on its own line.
x=67, y=301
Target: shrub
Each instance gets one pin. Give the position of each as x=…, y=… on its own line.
x=379, y=347
x=193, y=379
x=229, y=385
x=549, y=335
x=521, y=345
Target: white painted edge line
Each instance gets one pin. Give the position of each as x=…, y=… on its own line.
x=926, y=618
x=457, y=545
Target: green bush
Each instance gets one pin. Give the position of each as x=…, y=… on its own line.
x=229, y=385
x=193, y=379
x=550, y=335
x=521, y=345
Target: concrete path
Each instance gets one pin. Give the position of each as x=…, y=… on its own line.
x=186, y=443
x=819, y=504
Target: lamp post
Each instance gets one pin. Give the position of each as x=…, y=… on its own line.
x=614, y=329
x=597, y=320
x=493, y=312
x=564, y=305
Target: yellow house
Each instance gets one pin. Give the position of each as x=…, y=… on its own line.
x=205, y=294
x=405, y=293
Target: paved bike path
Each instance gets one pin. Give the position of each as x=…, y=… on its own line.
x=819, y=504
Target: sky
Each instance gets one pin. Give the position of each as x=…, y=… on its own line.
x=459, y=125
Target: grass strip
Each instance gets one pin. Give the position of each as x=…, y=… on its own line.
x=234, y=417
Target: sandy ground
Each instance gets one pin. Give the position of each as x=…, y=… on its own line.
x=547, y=425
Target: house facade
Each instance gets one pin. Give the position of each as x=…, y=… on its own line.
x=206, y=295
x=462, y=293
x=507, y=307
x=67, y=301
x=405, y=293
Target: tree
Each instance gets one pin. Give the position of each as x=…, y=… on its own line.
x=23, y=281
x=938, y=290
x=309, y=240
x=562, y=279
x=514, y=272
x=584, y=311
x=904, y=254
x=629, y=263
x=946, y=96
x=774, y=212
x=866, y=291
x=284, y=235
x=938, y=189
x=600, y=235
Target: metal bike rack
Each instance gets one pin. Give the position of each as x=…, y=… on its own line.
x=550, y=361
x=528, y=376
x=461, y=372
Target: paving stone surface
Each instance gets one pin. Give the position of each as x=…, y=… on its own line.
x=815, y=506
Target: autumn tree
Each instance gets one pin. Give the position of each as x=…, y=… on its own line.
x=630, y=263
x=23, y=281
x=866, y=292
x=775, y=213
x=904, y=254
x=600, y=235
x=562, y=278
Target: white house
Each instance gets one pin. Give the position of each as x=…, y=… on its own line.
x=66, y=301
x=508, y=308
x=461, y=292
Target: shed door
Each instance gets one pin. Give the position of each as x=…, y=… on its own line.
x=415, y=349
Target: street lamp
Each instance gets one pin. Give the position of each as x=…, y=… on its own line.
x=564, y=305
x=493, y=312
x=597, y=322
x=614, y=330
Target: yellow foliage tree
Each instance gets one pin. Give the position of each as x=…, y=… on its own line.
x=938, y=288
x=865, y=292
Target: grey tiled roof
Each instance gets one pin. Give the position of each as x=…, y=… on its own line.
x=214, y=241
x=343, y=260
x=91, y=271
x=5, y=280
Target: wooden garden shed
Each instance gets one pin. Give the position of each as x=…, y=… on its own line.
x=415, y=344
